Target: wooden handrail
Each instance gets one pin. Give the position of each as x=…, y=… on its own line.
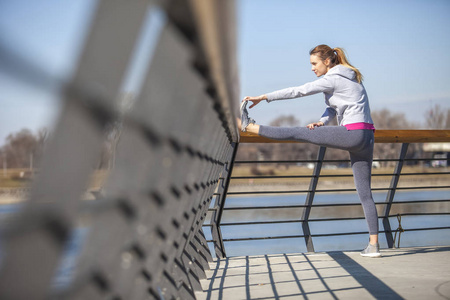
x=381, y=136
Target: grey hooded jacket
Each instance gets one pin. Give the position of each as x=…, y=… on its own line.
x=345, y=97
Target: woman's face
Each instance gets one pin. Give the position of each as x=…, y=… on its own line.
x=318, y=66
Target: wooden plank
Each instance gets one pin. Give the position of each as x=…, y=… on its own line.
x=381, y=136
x=412, y=136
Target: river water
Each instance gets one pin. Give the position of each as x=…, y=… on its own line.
x=332, y=243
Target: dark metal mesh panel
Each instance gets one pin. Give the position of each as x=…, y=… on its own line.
x=144, y=229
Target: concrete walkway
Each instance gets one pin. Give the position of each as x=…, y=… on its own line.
x=405, y=273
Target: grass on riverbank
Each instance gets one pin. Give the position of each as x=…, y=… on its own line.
x=265, y=170
x=22, y=178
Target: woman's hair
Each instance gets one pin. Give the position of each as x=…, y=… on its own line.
x=336, y=56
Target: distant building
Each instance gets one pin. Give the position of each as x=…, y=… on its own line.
x=440, y=153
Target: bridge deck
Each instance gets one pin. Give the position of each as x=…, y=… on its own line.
x=410, y=273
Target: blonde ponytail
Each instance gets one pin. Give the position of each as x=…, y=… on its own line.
x=342, y=60
x=336, y=56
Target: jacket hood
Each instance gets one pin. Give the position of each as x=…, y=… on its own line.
x=342, y=71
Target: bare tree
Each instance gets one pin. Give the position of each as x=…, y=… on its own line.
x=23, y=149
x=285, y=121
x=437, y=118
x=447, y=122
x=385, y=119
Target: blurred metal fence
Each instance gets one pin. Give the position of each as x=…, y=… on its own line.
x=178, y=136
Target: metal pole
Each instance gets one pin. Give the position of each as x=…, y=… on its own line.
x=220, y=203
x=310, y=198
x=390, y=195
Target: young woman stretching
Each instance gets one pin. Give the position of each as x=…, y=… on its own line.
x=347, y=100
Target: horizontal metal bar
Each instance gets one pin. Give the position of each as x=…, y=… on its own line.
x=420, y=214
x=264, y=238
x=264, y=207
x=299, y=176
x=424, y=187
x=416, y=201
x=327, y=160
x=338, y=190
x=327, y=205
x=426, y=228
x=327, y=219
x=288, y=161
x=260, y=222
x=274, y=192
x=431, y=173
x=273, y=176
x=332, y=176
x=322, y=235
x=365, y=232
x=293, y=206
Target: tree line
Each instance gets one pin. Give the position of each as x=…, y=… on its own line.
x=25, y=148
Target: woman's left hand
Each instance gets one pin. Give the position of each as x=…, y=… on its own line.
x=255, y=100
x=316, y=124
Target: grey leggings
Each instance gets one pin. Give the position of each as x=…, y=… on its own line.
x=359, y=143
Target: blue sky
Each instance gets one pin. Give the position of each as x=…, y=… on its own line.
x=401, y=47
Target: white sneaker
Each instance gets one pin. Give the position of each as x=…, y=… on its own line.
x=371, y=251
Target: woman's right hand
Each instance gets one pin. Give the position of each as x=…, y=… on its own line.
x=315, y=124
x=255, y=100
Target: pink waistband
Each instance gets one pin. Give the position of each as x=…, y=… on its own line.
x=361, y=125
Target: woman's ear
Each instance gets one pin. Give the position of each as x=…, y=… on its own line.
x=326, y=62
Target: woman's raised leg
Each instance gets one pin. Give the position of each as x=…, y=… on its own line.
x=328, y=136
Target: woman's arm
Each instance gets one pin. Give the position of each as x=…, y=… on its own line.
x=328, y=115
x=322, y=85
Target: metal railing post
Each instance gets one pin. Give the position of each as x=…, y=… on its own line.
x=310, y=198
x=220, y=203
x=391, y=193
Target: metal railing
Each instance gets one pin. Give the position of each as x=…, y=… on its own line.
x=382, y=136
